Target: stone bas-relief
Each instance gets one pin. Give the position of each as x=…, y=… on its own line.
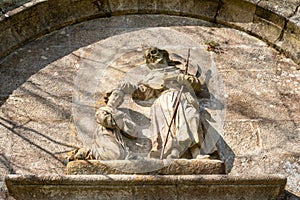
x=108, y=143
x=152, y=112
x=160, y=88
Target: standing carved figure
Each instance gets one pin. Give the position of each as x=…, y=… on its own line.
x=162, y=84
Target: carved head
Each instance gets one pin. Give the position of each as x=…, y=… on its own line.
x=155, y=55
x=114, y=98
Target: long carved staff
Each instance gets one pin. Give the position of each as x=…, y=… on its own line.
x=175, y=108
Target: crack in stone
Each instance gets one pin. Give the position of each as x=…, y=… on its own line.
x=218, y=10
x=280, y=37
x=285, y=23
x=101, y=7
x=295, y=11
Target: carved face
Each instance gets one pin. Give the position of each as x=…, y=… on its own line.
x=155, y=55
x=115, y=99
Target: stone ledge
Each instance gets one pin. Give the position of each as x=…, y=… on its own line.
x=153, y=166
x=145, y=187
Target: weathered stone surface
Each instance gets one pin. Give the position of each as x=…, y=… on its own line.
x=37, y=18
x=267, y=25
x=253, y=1
x=285, y=9
x=295, y=18
x=6, y=5
x=163, y=167
x=169, y=6
x=249, y=87
x=290, y=41
x=264, y=19
x=230, y=14
x=145, y=6
x=123, y=6
x=259, y=60
x=7, y=36
x=255, y=76
x=204, y=9
x=145, y=187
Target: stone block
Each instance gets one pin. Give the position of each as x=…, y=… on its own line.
x=146, y=187
x=205, y=9
x=236, y=13
x=8, y=37
x=285, y=9
x=66, y=12
x=291, y=41
x=28, y=22
x=227, y=193
x=280, y=134
x=147, y=6
x=267, y=25
x=159, y=6
x=147, y=166
x=169, y=6
x=291, y=37
x=165, y=192
x=123, y=6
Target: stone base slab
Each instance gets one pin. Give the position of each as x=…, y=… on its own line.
x=145, y=187
x=147, y=166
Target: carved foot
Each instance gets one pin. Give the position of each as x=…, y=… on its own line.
x=203, y=157
x=80, y=154
x=174, y=154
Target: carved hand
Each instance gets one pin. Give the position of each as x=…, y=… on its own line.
x=105, y=118
x=189, y=80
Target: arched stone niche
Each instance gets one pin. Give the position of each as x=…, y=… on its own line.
x=269, y=152
x=107, y=63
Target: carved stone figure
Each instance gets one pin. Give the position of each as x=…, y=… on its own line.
x=174, y=132
x=162, y=84
x=113, y=123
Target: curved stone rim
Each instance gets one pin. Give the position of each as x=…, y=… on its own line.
x=37, y=18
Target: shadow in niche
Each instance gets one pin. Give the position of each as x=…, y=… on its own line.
x=139, y=118
x=142, y=144
x=239, y=106
x=4, y=161
x=58, y=48
x=19, y=130
x=208, y=100
x=224, y=152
